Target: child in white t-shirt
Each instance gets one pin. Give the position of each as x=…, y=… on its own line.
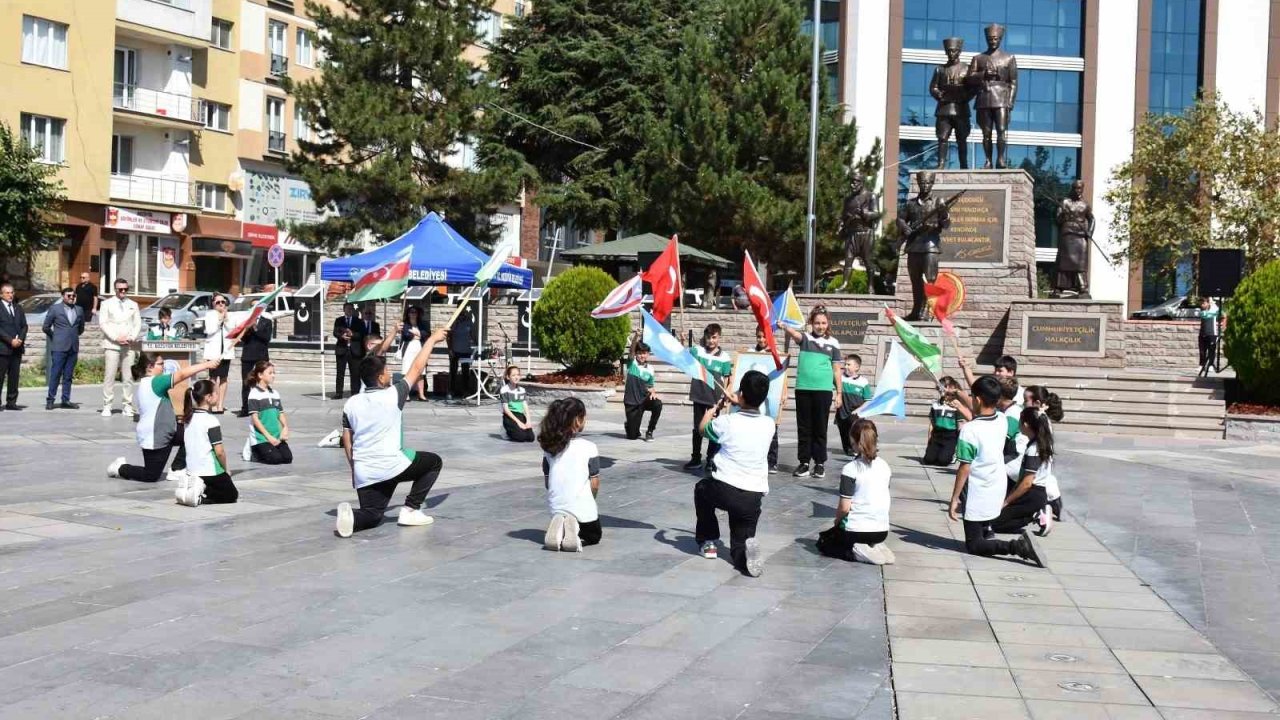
x=862, y=518
x=571, y=468
x=980, y=451
x=1028, y=502
x=1039, y=397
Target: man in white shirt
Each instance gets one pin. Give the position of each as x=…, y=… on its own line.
x=739, y=474
x=121, y=322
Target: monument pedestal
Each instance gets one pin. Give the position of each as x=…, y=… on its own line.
x=1060, y=332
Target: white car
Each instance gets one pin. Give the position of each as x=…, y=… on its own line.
x=281, y=307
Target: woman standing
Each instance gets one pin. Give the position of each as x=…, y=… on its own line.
x=414, y=330
x=817, y=377
x=269, y=434
x=219, y=347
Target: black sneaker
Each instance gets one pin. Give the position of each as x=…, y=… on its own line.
x=693, y=464
x=819, y=470
x=648, y=437
x=1027, y=548
x=802, y=470
x=773, y=469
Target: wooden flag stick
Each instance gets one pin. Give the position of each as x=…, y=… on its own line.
x=462, y=303
x=680, y=281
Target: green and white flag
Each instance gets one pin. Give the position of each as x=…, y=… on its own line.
x=501, y=253
x=929, y=355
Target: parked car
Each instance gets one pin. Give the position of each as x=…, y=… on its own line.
x=187, y=308
x=36, y=306
x=281, y=307
x=1175, y=308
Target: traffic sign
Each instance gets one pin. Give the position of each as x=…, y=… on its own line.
x=275, y=255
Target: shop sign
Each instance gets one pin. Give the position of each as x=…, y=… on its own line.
x=146, y=221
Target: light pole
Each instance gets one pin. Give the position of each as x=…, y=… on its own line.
x=810, y=220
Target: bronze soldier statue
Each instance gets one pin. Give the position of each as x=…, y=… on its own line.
x=920, y=224
x=953, y=92
x=994, y=76
x=1075, y=230
x=857, y=230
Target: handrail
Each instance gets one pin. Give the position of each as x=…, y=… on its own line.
x=144, y=188
x=161, y=103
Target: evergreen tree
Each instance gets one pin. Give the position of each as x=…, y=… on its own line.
x=30, y=193
x=394, y=102
x=592, y=75
x=729, y=158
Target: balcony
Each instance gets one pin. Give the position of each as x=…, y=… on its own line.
x=276, y=142
x=155, y=190
x=157, y=107
x=279, y=65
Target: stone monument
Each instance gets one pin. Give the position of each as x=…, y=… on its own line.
x=858, y=230
x=994, y=76
x=1075, y=230
x=951, y=88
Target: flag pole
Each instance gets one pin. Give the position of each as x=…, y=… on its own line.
x=680, y=282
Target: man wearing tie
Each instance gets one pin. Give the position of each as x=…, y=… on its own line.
x=63, y=326
x=13, y=340
x=348, y=332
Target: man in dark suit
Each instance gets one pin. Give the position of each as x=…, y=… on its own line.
x=348, y=332
x=255, y=345
x=63, y=326
x=13, y=341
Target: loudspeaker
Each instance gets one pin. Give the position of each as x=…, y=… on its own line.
x=1220, y=272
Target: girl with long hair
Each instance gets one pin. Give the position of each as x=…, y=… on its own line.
x=269, y=427
x=412, y=332
x=571, y=472
x=862, y=518
x=206, y=456
x=817, y=376
x=1038, y=396
x=1028, y=501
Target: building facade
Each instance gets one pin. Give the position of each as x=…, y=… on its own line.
x=1089, y=70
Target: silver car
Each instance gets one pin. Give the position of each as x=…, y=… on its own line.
x=187, y=309
x=36, y=306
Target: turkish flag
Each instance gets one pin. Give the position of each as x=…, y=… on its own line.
x=761, y=305
x=664, y=277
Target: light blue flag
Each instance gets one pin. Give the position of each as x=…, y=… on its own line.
x=890, y=397
x=668, y=349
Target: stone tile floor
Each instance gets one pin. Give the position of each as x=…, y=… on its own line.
x=118, y=603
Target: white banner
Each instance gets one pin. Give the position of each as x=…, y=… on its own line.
x=147, y=221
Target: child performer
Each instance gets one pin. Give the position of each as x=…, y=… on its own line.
x=162, y=330
x=980, y=451
x=862, y=518
x=718, y=366
x=817, y=376
x=639, y=394
x=206, y=456
x=1014, y=441
x=945, y=416
x=515, y=418
x=854, y=390
x=1005, y=367
x=571, y=470
x=1038, y=396
x=762, y=346
x=269, y=427
x=740, y=477
x=1028, y=502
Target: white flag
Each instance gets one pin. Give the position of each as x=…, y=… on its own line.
x=621, y=300
x=890, y=397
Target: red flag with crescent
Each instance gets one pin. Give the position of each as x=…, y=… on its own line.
x=664, y=277
x=761, y=305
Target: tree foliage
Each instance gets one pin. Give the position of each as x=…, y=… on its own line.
x=1252, y=337
x=392, y=109
x=1209, y=178
x=30, y=194
x=564, y=328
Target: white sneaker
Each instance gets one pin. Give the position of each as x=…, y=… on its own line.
x=412, y=517
x=555, y=533
x=867, y=554
x=1045, y=519
x=571, y=542
x=106, y=411
x=346, y=521
x=246, y=453
x=189, y=490
x=113, y=470
x=887, y=554
x=755, y=563
x=129, y=411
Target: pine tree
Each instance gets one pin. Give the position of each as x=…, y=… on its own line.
x=30, y=194
x=592, y=75
x=395, y=100
x=729, y=158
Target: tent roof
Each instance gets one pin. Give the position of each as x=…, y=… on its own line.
x=440, y=257
x=629, y=247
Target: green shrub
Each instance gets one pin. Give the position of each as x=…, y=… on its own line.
x=1252, y=337
x=564, y=328
x=89, y=371
x=857, y=284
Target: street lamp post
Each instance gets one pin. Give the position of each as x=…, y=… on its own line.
x=811, y=220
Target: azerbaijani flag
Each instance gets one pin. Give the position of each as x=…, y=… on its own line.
x=786, y=311
x=501, y=253
x=926, y=352
x=668, y=349
x=256, y=311
x=384, y=281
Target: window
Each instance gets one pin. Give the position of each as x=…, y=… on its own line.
x=220, y=34
x=217, y=116
x=121, y=155
x=212, y=197
x=1175, y=56
x=306, y=43
x=44, y=42
x=275, y=125
x=45, y=135
x=301, y=128
x=489, y=28
x=275, y=37
x=520, y=9
x=1032, y=27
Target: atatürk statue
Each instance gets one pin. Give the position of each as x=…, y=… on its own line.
x=920, y=224
x=950, y=87
x=994, y=76
x=857, y=229
x=1075, y=230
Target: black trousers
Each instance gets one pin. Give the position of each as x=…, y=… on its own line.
x=1021, y=512
x=590, y=533
x=374, y=499
x=941, y=449
x=712, y=448
x=459, y=374
x=269, y=454
x=347, y=366
x=10, y=365
x=1207, y=345
x=844, y=425
x=246, y=367
x=219, y=490
x=838, y=543
x=743, y=507
x=977, y=542
x=635, y=413
x=153, y=462
x=514, y=432
x=812, y=407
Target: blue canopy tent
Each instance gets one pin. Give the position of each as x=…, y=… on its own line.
x=440, y=257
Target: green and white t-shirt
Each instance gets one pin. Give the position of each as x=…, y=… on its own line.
x=202, y=435
x=981, y=446
x=1209, y=321
x=866, y=486
x=818, y=357
x=719, y=365
x=375, y=418
x=161, y=332
x=1043, y=469
x=639, y=382
x=853, y=392
x=512, y=398
x=943, y=417
x=267, y=406
x=157, y=422
x=1012, y=431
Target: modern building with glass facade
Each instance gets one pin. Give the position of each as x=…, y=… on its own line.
x=1088, y=71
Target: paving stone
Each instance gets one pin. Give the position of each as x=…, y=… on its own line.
x=629, y=668
x=1179, y=664
x=913, y=626
x=1167, y=692
x=1134, y=619
x=947, y=652
x=1059, y=710
x=953, y=680
x=1057, y=657
x=1069, y=685
x=934, y=706
x=960, y=609
x=1045, y=634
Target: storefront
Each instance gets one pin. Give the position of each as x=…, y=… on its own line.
x=218, y=255
x=299, y=260
x=141, y=247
